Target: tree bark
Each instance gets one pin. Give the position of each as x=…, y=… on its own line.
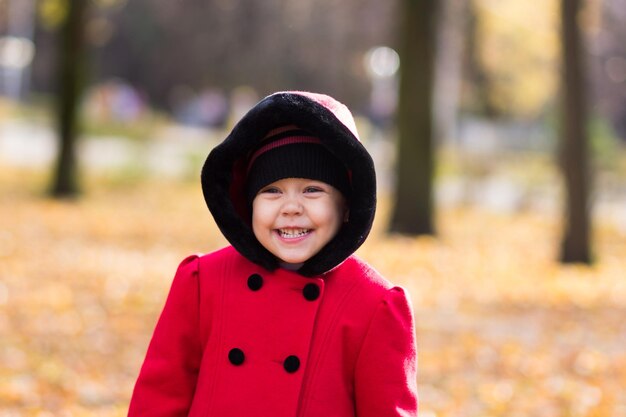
x=449, y=67
x=574, y=138
x=481, y=96
x=71, y=75
x=413, y=207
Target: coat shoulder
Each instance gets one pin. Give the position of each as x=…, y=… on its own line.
x=224, y=257
x=223, y=262
x=210, y=261
x=366, y=286
x=367, y=276
x=226, y=254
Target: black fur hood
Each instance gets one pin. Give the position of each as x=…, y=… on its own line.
x=223, y=175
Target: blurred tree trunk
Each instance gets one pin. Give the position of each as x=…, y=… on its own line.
x=480, y=80
x=451, y=29
x=413, y=206
x=574, y=138
x=71, y=74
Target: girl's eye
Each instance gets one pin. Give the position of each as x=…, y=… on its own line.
x=269, y=190
x=313, y=189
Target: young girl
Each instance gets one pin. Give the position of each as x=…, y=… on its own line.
x=286, y=321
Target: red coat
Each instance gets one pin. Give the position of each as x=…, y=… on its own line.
x=235, y=339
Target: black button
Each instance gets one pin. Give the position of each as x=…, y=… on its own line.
x=255, y=282
x=311, y=292
x=236, y=356
x=291, y=364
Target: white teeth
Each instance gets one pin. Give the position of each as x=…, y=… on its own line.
x=292, y=233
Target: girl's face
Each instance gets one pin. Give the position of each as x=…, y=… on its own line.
x=294, y=218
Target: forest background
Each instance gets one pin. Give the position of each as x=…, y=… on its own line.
x=503, y=328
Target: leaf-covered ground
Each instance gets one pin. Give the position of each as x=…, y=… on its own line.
x=502, y=329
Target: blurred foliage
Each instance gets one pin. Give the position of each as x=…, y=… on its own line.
x=210, y=44
x=605, y=146
x=143, y=128
x=321, y=46
x=52, y=12
x=502, y=329
x=519, y=47
x=37, y=110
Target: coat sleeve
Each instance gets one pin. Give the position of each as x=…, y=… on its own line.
x=385, y=375
x=167, y=379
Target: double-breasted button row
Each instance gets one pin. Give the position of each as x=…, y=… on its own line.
x=311, y=291
x=237, y=357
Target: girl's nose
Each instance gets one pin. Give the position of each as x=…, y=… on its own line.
x=292, y=205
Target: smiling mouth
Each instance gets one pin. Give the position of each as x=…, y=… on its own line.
x=293, y=233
